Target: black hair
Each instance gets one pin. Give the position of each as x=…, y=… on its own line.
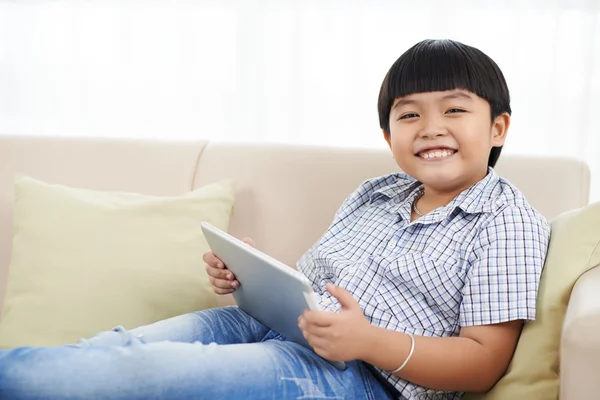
x=439, y=65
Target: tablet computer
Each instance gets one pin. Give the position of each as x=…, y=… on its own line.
x=270, y=291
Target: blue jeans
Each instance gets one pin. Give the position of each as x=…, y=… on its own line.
x=213, y=354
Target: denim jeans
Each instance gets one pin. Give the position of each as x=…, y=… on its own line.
x=213, y=354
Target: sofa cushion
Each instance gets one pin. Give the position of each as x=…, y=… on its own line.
x=84, y=261
x=574, y=249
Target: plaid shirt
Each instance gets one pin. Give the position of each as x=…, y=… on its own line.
x=475, y=261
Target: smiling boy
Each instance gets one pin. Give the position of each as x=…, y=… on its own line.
x=444, y=258
x=447, y=252
x=425, y=277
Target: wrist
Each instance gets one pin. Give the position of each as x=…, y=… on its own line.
x=369, y=343
x=386, y=349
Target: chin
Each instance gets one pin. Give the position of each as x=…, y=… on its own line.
x=441, y=179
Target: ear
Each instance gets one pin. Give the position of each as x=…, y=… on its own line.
x=500, y=129
x=387, y=137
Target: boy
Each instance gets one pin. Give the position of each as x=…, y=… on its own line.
x=425, y=277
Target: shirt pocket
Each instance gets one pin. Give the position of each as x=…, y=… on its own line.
x=429, y=289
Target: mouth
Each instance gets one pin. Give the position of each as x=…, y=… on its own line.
x=436, y=154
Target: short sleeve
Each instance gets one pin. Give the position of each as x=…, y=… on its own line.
x=505, y=268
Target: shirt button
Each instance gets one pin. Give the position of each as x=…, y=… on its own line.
x=391, y=245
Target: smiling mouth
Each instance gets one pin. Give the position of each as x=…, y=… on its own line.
x=436, y=154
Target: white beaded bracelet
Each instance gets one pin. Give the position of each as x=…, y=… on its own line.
x=410, y=353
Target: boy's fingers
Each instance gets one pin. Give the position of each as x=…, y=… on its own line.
x=223, y=284
x=316, y=342
x=223, y=291
x=249, y=241
x=319, y=318
x=219, y=273
x=319, y=331
x=212, y=260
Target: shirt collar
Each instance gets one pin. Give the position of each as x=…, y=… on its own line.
x=475, y=199
x=402, y=188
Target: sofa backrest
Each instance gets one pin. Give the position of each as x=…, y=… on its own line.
x=286, y=194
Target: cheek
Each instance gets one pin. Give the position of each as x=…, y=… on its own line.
x=402, y=151
x=473, y=139
x=400, y=142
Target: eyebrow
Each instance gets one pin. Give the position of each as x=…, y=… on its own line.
x=455, y=95
x=403, y=103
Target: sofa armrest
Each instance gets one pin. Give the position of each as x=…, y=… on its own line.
x=580, y=342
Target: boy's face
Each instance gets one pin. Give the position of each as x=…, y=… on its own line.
x=443, y=139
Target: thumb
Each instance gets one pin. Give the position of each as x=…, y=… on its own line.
x=249, y=241
x=343, y=296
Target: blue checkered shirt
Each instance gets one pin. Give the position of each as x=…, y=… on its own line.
x=475, y=261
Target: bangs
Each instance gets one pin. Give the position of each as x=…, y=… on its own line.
x=440, y=65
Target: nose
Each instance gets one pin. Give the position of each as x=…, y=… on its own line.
x=432, y=127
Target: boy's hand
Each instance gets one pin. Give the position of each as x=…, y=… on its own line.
x=221, y=279
x=337, y=336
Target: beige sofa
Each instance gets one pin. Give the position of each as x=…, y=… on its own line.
x=286, y=197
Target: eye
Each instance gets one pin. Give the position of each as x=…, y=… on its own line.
x=455, y=110
x=407, y=116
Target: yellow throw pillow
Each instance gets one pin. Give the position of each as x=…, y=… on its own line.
x=574, y=249
x=85, y=261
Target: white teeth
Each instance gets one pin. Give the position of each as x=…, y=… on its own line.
x=436, y=154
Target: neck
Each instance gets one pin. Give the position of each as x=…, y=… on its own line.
x=433, y=198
